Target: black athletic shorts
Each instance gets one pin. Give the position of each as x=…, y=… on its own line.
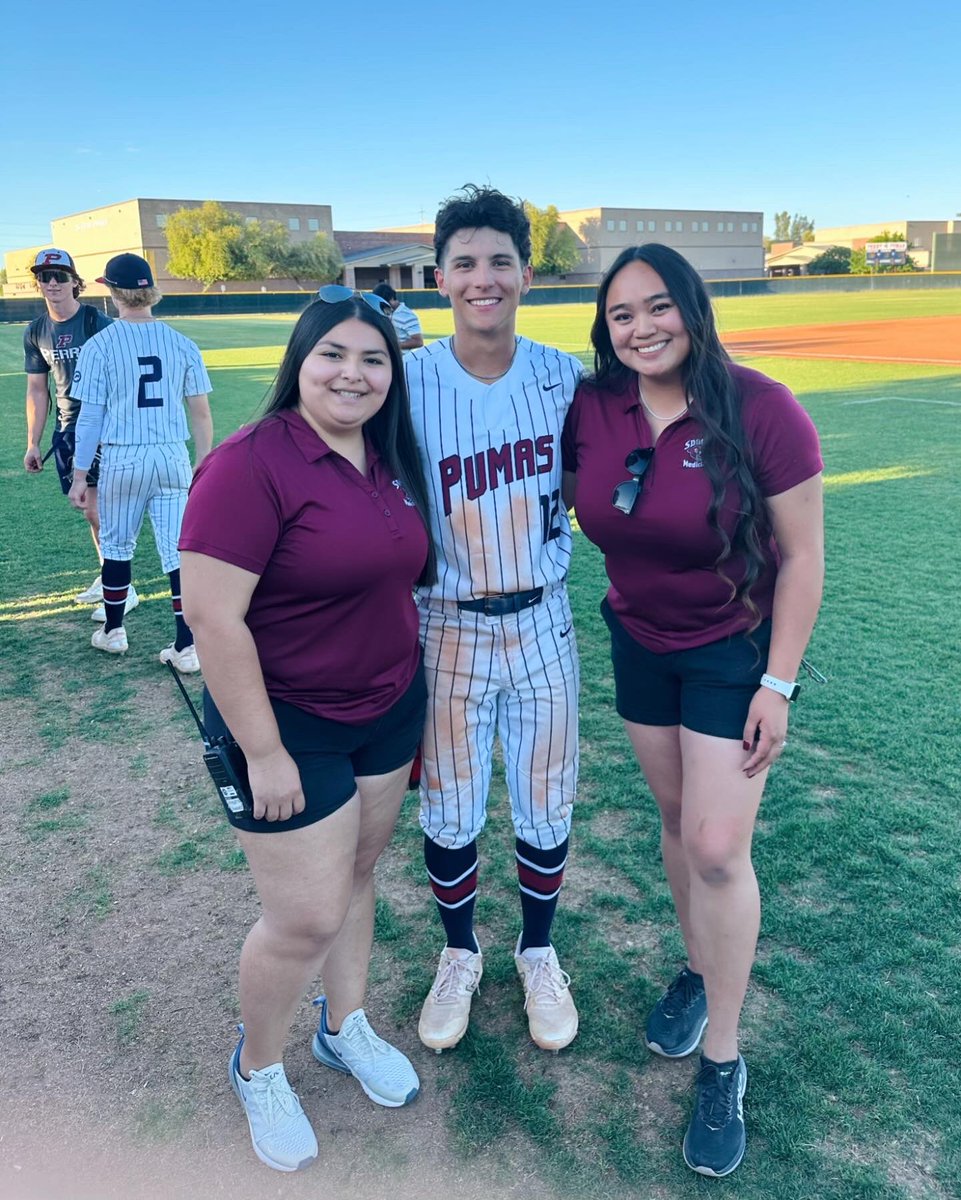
x=708, y=688
x=330, y=755
x=63, y=444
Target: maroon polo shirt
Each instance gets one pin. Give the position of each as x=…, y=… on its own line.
x=332, y=615
x=660, y=559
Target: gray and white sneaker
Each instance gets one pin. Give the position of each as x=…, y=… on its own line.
x=382, y=1071
x=279, y=1131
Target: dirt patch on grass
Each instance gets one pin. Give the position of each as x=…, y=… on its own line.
x=910, y=340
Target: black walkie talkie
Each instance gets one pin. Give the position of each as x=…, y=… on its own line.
x=225, y=761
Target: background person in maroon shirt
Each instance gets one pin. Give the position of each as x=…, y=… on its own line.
x=303, y=538
x=701, y=482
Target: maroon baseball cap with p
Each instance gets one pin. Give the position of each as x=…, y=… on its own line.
x=127, y=271
x=52, y=260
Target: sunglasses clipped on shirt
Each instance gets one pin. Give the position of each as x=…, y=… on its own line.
x=626, y=493
x=54, y=276
x=337, y=293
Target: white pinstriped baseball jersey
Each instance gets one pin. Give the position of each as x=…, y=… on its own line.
x=141, y=372
x=492, y=457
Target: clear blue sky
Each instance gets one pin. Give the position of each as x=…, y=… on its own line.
x=844, y=111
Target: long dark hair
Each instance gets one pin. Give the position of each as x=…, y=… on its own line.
x=390, y=429
x=714, y=402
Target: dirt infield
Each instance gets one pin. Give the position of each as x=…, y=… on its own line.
x=917, y=340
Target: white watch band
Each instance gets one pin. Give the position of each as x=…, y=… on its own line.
x=788, y=690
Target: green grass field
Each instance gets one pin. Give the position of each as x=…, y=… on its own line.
x=852, y=1028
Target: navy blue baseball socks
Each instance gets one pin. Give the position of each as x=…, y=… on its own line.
x=385, y=1074
x=678, y=1020
x=715, y=1140
x=279, y=1131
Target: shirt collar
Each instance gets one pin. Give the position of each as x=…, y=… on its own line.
x=309, y=442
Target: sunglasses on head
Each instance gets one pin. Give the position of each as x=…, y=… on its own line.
x=54, y=276
x=626, y=493
x=337, y=293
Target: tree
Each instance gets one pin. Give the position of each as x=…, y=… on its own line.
x=794, y=229
x=209, y=243
x=836, y=260
x=318, y=259
x=555, y=249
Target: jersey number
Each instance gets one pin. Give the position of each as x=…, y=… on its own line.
x=550, y=527
x=152, y=371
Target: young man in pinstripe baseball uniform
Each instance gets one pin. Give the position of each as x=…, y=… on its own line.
x=51, y=344
x=488, y=408
x=132, y=381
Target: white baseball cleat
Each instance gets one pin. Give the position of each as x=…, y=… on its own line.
x=186, y=660
x=551, y=1014
x=114, y=642
x=99, y=613
x=92, y=594
x=446, y=1011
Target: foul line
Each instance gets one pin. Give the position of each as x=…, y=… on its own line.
x=904, y=400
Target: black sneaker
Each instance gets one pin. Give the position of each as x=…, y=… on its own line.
x=715, y=1139
x=678, y=1019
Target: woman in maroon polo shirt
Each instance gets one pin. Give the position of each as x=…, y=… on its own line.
x=303, y=538
x=700, y=480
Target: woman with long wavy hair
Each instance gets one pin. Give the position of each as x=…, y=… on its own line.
x=700, y=480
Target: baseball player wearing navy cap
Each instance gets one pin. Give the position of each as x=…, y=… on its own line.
x=133, y=380
x=51, y=344
x=488, y=409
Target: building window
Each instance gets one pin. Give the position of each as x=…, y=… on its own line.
x=161, y=219
x=652, y=227
x=754, y=227
x=622, y=225
x=294, y=224
x=313, y=224
x=730, y=226
x=720, y=226
x=640, y=226
x=678, y=226
x=744, y=227
x=610, y=226
x=250, y=220
x=668, y=227
x=694, y=227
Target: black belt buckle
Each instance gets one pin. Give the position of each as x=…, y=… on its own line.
x=500, y=606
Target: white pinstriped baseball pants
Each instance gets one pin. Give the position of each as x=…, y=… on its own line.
x=517, y=675
x=141, y=479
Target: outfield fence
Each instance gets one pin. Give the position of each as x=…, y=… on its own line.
x=215, y=304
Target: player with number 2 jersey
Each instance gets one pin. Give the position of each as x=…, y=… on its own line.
x=133, y=380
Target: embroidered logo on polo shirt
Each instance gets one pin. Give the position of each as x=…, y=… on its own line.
x=693, y=453
x=400, y=487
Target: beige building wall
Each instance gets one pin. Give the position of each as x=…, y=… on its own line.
x=919, y=234
x=137, y=227
x=719, y=243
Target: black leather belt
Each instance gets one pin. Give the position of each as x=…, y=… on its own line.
x=500, y=606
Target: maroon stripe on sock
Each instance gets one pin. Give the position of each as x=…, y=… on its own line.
x=453, y=895
x=546, y=885
x=115, y=595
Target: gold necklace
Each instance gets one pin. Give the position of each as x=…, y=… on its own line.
x=484, y=378
x=657, y=416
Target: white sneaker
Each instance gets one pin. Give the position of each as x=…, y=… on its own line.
x=99, y=614
x=186, y=660
x=280, y=1132
x=551, y=1014
x=446, y=1011
x=114, y=642
x=92, y=594
x=382, y=1071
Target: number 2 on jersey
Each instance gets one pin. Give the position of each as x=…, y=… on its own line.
x=152, y=371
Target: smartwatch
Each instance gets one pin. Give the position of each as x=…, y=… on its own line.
x=789, y=691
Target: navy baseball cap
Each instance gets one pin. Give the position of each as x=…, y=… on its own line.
x=127, y=271
x=52, y=260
